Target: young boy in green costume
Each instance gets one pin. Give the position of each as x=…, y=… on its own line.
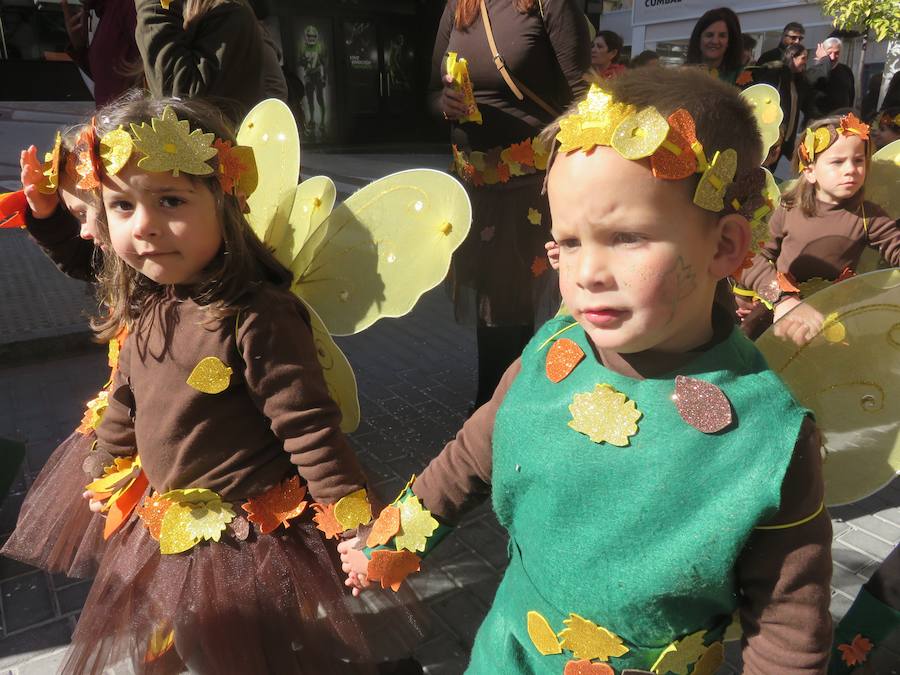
x=654, y=475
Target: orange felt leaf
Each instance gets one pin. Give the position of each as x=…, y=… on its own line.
x=746, y=264
x=87, y=161
x=386, y=526
x=152, y=512
x=563, y=356
x=13, y=206
x=503, y=173
x=277, y=505
x=538, y=266
x=786, y=283
x=121, y=509
x=746, y=77
x=230, y=165
x=665, y=163
x=392, y=567
x=585, y=667
x=857, y=651
x=851, y=124
x=522, y=153
x=326, y=523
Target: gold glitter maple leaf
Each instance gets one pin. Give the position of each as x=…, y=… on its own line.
x=604, y=415
x=416, y=525
x=168, y=144
x=195, y=514
x=680, y=654
x=589, y=641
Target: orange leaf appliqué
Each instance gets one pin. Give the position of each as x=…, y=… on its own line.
x=392, y=567
x=277, y=505
x=386, y=526
x=857, y=651
x=326, y=523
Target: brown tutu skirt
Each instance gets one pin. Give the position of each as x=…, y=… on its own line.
x=271, y=604
x=500, y=274
x=56, y=531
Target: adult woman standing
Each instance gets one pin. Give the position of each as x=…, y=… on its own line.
x=500, y=274
x=716, y=43
x=606, y=50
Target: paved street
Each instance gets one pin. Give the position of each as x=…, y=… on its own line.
x=416, y=379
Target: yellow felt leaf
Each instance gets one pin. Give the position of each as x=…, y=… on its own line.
x=115, y=474
x=168, y=144
x=353, y=510
x=710, y=192
x=604, y=415
x=176, y=534
x=210, y=376
x=542, y=634
x=416, y=525
x=534, y=216
x=587, y=640
x=640, y=134
x=680, y=654
x=208, y=520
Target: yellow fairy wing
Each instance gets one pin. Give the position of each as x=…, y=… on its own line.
x=379, y=251
x=849, y=376
x=883, y=179
x=766, y=103
x=338, y=374
x=269, y=128
x=313, y=203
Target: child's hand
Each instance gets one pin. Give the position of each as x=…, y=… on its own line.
x=355, y=564
x=552, y=249
x=800, y=325
x=94, y=505
x=41, y=205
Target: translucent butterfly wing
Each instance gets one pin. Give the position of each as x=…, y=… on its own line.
x=313, y=202
x=379, y=251
x=270, y=129
x=884, y=178
x=766, y=103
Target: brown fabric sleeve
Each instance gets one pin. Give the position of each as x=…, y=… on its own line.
x=884, y=234
x=115, y=434
x=762, y=273
x=784, y=575
x=288, y=387
x=59, y=237
x=459, y=478
x=568, y=32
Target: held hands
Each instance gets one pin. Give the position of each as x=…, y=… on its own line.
x=800, y=325
x=452, y=101
x=41, y=205
x=93, y=504
x=355, y=564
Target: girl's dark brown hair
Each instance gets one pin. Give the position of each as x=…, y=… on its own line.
x=242, y=264
x=802, y=194
x=467, y=10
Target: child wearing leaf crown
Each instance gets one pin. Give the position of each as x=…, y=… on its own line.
x=215, y=564
x=655, y=477
x=820, y=231
x=56, y=530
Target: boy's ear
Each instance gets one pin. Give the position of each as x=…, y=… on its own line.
x=732, y=247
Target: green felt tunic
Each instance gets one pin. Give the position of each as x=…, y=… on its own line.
x=641, y=539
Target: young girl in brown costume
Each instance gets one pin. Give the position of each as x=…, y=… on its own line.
x=220, y=568
x=820, y=230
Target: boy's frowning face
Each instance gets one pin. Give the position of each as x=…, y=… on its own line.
x=634, y=253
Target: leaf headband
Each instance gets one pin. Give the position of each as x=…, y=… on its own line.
x=166, y=144
x=673, y=148
x=818, y=141
x=887, y=121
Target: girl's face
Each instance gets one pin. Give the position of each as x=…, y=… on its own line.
x=840, y=171
x=601, y=56
x=84, y=205
x=165, y=227
x=714, y=42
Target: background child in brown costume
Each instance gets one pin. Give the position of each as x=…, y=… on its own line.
x=220, y=569
x=820, y=230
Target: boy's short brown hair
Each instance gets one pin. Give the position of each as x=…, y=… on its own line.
x=723, y=119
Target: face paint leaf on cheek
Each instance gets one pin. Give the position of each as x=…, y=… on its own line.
x=682, y=281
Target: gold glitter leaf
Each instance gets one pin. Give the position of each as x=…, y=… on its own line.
x=711, y=660
x=416, y=525
x=604, y=415
x=168, y=144
x=542, y=634
x=210, y=376
x=701, y=404
x=710, y=193
x=593, y=124
x=176, y=534
x=353, y=509
x=587, y=640
x=640, y=134
x=208, y=520
x=680, y=654
x=115, y=150
x=50, y=182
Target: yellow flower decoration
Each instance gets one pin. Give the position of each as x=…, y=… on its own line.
x=168, y=144
x=542, y=635
x=50, y=168
x=353, y=510
x=115, y=150
x=680, y=654
x=710, y=193
x=416, y=525
x=589, y=641
x=210, y=376
x=640, y=134
x=194, y=515
x=593, y=124
x=605, y=416
x=534, y=216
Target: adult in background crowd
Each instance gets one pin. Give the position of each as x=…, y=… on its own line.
x=648, y=57
x=833, y=82
x=789, y=78
x=606, y=51
x=873, y=91
x=748, y=43
x=500, y=276
x=716, y=44
x=793, y=33
x=111, y=57
x=204, y=48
